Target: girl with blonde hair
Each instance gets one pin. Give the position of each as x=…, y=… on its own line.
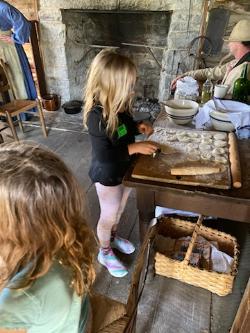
x=108, y=101
x=46, y=247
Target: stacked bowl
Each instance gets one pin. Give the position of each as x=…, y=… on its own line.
x=220, y=121
x=181, y=111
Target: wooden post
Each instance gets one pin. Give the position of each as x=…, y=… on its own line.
x=35, y=5
x=241, y=322
x=146, y=210
x=37, y=58
x=202, y=32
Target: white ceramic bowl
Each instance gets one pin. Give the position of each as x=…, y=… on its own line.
x=221, y=121
x=181, y=111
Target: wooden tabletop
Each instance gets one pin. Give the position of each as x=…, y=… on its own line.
x=232, y=204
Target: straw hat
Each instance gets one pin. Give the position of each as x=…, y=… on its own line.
x=240, y=32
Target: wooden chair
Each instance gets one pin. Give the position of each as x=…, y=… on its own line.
x=11, y=109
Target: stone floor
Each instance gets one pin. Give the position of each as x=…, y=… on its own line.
x=167, y=305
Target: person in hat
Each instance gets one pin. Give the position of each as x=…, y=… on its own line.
x=239, y=47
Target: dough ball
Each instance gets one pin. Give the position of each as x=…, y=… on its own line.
x=192, y=146
x=204, y=147
x=198, y=140
x=171, y=138
x=207, y=141
x=193, y=135
x=220, y=136
x=171, y=131
x=220, y=143
x=219, y=151
x=220, y=159
x=206, y=155
x=183, y=138
x=207, y=135
x=191, y=150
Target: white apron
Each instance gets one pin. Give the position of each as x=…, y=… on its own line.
x=9, y=55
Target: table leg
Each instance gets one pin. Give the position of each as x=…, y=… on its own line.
x=146, y=209
x=241, y=322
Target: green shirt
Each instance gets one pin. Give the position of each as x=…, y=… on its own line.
x=48, y=306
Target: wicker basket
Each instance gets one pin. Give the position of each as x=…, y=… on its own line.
x=218, y=283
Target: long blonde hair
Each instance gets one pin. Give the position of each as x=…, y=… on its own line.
x=110, y=83
x=42, y=218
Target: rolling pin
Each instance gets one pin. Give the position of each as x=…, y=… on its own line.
x=234, y=160
x=194, y=170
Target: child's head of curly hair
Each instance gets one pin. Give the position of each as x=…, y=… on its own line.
x=42, y=217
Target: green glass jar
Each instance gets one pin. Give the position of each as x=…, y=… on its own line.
x=241, y=87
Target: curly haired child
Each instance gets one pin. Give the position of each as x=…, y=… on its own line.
x=46, y=247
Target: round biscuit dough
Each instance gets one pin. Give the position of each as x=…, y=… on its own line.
x=206, y=155
x=207, y=141
x=171, y=138
x=207, y=135
x=220, y=143
x=191, y=146
x=220, y=159
x=219, y=151
x=204, y=147
x=193, y=135
x=220, y=136
x=183, y=138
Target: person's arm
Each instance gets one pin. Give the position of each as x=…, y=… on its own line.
x=216, y=73
x=20, y=25
x=106, y=150
x=143, y=147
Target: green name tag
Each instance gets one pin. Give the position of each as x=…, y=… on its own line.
x=121, y=130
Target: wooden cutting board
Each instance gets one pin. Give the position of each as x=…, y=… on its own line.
x=180, y=153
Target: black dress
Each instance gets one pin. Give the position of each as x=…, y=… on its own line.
x=110, y=158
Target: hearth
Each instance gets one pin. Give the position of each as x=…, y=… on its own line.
x=141, y=35
x=155, y=34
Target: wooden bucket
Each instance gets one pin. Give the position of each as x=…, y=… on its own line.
x=51, y=102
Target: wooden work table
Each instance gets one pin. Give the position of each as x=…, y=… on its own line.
x=232, y=204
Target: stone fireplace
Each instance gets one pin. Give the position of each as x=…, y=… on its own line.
x=140, y=35
x=155, y=34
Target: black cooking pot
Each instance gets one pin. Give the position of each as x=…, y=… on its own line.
x=72, y=107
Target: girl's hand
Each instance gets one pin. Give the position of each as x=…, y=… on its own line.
x=143, y=147
x=6, y=39
x=145, y=128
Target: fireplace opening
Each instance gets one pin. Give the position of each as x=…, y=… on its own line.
x=141, y=35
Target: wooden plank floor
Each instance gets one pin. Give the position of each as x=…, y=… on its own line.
x=167, y=305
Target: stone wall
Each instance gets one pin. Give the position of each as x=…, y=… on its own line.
x=184, y=26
